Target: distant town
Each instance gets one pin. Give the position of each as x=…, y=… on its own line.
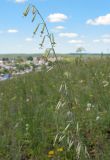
x=10, y=67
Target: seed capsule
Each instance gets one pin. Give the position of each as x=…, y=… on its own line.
x=36, y=29
x=26, y=11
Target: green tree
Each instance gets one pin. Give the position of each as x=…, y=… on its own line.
x=30, y=58
x=80, y=49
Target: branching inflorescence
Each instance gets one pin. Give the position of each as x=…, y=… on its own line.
x=44, y=33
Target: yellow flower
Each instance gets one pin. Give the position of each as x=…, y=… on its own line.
x=60, y=149
x=51, y=152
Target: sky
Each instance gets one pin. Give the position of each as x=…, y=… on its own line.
x=74, y=23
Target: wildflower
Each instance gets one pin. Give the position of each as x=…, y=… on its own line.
x=97, y=118
x=89, y=105
x=27, y=127
x=93, y=106
x=51, y=154
x=88, y=109
x=60, y=149
x=81, y=81
x=27, y=100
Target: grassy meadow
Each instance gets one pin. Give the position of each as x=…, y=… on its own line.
x=57, y=115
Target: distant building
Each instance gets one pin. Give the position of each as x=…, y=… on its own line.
x=39, y=61
x=1, y=62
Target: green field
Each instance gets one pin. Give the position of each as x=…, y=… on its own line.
x=63, y=114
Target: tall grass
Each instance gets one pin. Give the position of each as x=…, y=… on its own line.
x=30, y=116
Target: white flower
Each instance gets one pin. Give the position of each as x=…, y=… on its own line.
x=88, y=109
x=81, y=81
x=89, y=105
x=27, y=100
x=97, y=118
x=93, y=106
x=27, y=127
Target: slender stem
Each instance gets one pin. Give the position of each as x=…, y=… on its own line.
x=48, y=34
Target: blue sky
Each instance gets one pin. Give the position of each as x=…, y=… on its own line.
x=75, y=23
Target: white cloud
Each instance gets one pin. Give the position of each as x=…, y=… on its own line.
x=101, y=20
x=28, y=39
x=12, y=31
x=106, y=36
x=76, y=41
x=68, y=35
x=59, y=27
x=104, y=40
x=96, y=40
x=20, y=1
x=57, y=17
